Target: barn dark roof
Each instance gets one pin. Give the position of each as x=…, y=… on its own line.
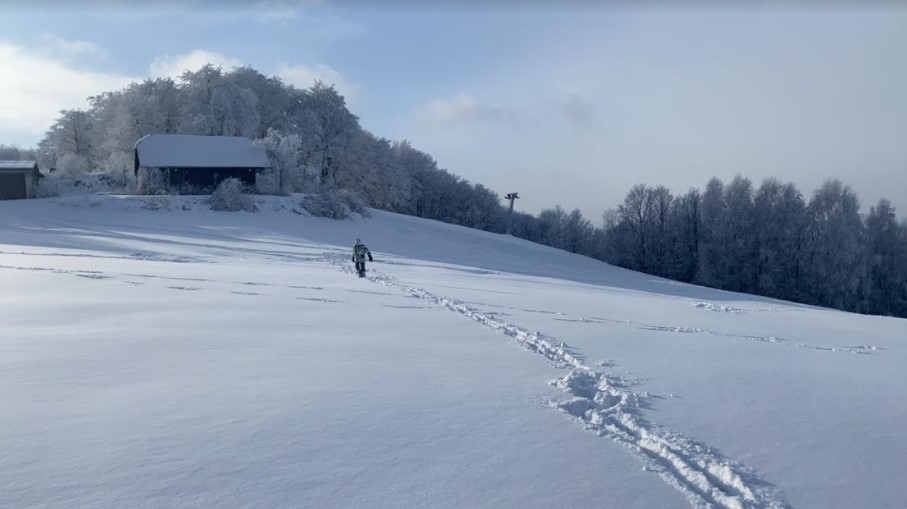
x=190, y=151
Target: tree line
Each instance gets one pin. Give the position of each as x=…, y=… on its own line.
x=15, y=153
x=768, y=240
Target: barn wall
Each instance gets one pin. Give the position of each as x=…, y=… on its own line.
x=30, y=183
x=206, y=179
x=201, y=180
x=13, y=185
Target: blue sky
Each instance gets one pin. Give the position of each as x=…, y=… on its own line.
x=569, y=105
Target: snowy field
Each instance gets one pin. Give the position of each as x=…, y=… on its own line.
x=185, y=358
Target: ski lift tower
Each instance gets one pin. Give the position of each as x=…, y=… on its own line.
x=511, y=197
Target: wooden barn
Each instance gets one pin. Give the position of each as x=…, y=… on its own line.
x=200, y=162
x=18, y=179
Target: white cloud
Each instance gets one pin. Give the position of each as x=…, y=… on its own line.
x=75, y=48
x=462, y=109
x=34, y=88
x=174, y=66
x=302, y=76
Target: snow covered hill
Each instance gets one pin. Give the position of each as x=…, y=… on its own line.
x=185, y=358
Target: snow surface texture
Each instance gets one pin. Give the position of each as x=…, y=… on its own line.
x=162, y=355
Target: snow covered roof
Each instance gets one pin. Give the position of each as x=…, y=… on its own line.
x=17, y=165
x=190, y=151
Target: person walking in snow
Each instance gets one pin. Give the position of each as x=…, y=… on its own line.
x=360, y=252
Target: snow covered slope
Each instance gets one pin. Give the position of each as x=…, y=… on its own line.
x=186, y=358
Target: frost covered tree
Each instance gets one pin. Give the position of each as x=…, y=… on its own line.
x=414, y=166
x=330, y=125
x=215, y=105
x=766, y=241
x=284, y=154
x=577, y=233
x=643, y=220
x=12, y=153
x=714, y=211
x=272, y=98
x=834, y=272
x=552, y=222
x=779, y=229
x=390, y=184
x=115, y=129
x=660, y=200
x=737, y=235
x=684, y=237
x=71, y=139
x=634, y=214
x=480, y=208
x=886, y=241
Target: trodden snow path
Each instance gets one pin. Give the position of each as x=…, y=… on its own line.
x=605, y=405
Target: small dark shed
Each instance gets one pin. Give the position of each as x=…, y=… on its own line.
x=200, y=161
x=18, y=179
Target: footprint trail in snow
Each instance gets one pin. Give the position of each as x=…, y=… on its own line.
x=605, y=405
